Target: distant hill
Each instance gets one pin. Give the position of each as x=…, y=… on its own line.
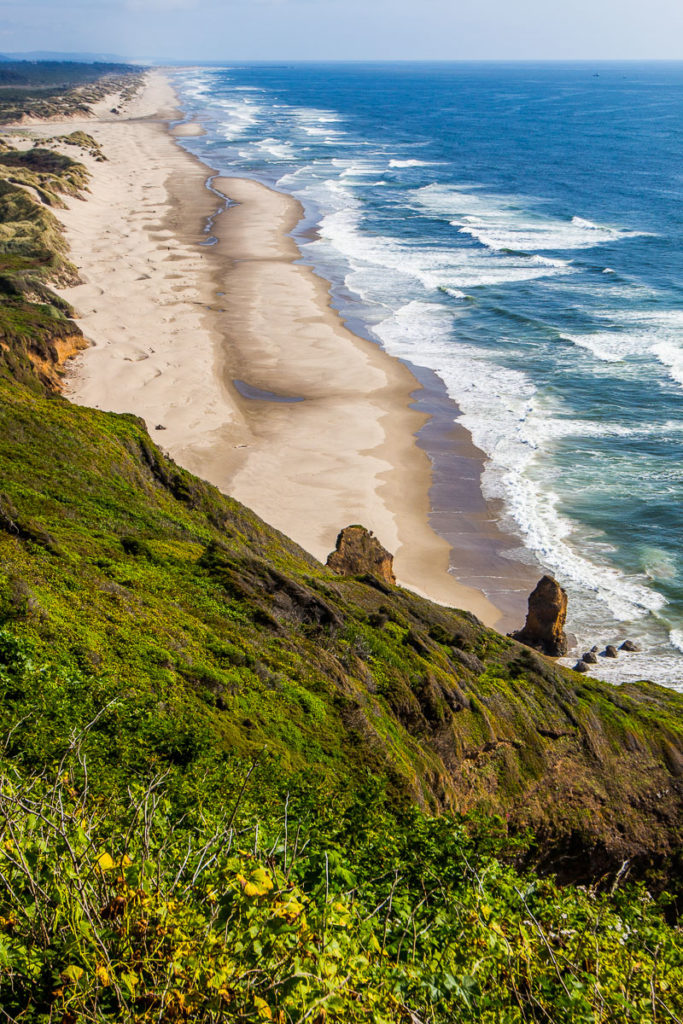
x=45, y=89
x=79, y=58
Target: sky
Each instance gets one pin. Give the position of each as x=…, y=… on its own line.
x=238, y=30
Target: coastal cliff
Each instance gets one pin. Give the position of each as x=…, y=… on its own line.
x=309, y=790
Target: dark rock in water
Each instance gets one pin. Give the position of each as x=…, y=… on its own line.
x=595, y=649
x=544, y=627
x=610, y=651
x=160, y=426
x=581, y=666
x=357, y=552
x=628, y=645
x=590, y=658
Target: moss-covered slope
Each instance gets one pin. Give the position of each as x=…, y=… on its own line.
x=155, y=582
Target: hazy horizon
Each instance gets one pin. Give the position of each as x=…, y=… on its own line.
x=299, y=30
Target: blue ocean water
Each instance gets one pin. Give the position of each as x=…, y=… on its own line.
x=517, y=229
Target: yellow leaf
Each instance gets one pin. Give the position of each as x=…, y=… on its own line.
x=103, y=976
x=105, y=862
x=262, y=1008
x=261, y=878
x=72, y=973
x=130, y=979
x=259, y=883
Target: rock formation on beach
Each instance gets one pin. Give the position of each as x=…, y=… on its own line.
x=544, y=626
x=358, y=551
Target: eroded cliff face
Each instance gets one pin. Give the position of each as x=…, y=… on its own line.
x=37, y=329
x=547, y=614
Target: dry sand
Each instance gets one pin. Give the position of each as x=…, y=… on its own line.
x=173, y=325
x=145, y=287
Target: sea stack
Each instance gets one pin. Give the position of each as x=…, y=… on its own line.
x=544, y=626
x=358, y=551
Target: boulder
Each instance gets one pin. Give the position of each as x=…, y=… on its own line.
x=610, y=651
x=359, y=552
x=628, y=645
x=544, y=626
x=590, y=658
x=581, y=666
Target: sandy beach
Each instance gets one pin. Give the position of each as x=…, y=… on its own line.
x=234, y=351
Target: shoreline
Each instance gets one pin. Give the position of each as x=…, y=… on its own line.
x=350, y=387
x=282, y=459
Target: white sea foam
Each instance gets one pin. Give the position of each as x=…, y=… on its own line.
x=676, y=639
x=237, y=118
x=518, y=223
x=410, y=163
x=503, y=412
x=659, y=335
x=316, y=123
x=359, y=169
x=277, y=149
x=608, y=346
x=657, y=662
x=670, y=354
x=455, y=270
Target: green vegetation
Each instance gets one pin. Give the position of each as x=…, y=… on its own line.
x=51, y=89
x=237, y=787
x=84, y=142
x=211, y=895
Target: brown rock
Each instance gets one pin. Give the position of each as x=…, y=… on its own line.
x=590, y=658
x=544, y=627
x=581, y=666
x=357, y=552
x=628, y=645
x=610, y=651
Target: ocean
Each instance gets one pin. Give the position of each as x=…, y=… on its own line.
x=518, y=230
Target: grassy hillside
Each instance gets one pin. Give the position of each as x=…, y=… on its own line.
x=130, y=568
x=236, y=786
